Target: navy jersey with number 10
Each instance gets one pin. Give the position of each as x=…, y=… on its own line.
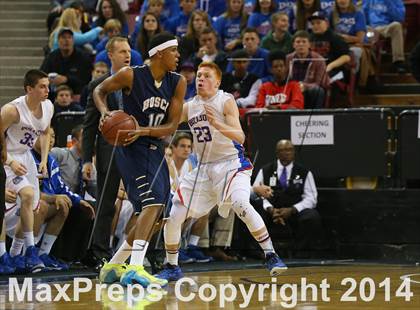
x=148, y=102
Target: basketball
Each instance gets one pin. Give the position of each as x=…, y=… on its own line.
x=115, y=128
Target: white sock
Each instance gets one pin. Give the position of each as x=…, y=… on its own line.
x=28, y=236
x=2, y=248
x=138, y=252
x=47, y=243
x=122, y=254
x=194, y=240
x=16, y=248
x=265, y=243
x=172, y=257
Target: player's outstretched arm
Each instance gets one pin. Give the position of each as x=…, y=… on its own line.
x=121, y=80
x=231, y=128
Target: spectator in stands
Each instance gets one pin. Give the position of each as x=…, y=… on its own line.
x=293, y=200
x=112, y=28
x=208, y=51
x=259, y=64
x=57, y=10
x=57, y=199
x=178, y=24
x=156, y=8
x=214, y=7
x=64, y=101
x=72, y=20
x=134, y=60
x=280, y=93
x=350, y=24
x=279, y=37
x=189, y=43
x=309, y=69
x=240, y=83
x=328, y=44
x=111, y=9
x=230, y=24
x=170, y=8
x=73, y=66
x=99, y=69
x=328, y=5
x=149, y=27
x=301, y=12
x=188, y=71
x=386, y=17
x=260, y=18
x=415, y=61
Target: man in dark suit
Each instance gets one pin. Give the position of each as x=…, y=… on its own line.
x=108, y=176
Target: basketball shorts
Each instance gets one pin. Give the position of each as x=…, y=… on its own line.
x=144, y=173
x=201, y=190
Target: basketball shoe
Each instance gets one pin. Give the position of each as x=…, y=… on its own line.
x=170, y=273
x=274, y=264
x=6, y=265
x=111, y=273
x=33, y=262
x=136, y=274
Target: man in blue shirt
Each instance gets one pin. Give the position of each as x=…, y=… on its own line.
x=386, y=16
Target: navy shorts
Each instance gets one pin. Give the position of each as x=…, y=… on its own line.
x=144, y=172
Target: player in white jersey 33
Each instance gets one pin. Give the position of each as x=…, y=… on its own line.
x=26, y=119
x=222, y=175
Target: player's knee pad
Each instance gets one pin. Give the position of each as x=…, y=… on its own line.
x=246, y=212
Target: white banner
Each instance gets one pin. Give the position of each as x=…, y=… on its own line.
x=312, y=130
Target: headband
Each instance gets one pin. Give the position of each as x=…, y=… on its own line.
x=163, y=46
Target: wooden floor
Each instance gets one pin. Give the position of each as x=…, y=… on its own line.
x=334, y=276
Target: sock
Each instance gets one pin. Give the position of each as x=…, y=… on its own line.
x=16, y=247
x=2, y=248
x=172, y=257
x=47, y=243
x=265, y=243
x=194, y=240
x=28, y=236
x=138, y=252
x=122, y=254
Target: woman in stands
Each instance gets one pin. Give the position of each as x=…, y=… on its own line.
x=301, y=12
x=149, y=27
x=230, y=24
x=111, y=9
x=260, y=18
x=71, y=19
x=189, y=44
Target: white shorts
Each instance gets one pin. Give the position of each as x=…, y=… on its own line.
x=16, y=183
x=213, y=186
x=12, y=216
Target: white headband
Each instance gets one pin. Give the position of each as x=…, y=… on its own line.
x=163, y=46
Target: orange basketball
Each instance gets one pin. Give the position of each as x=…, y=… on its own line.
x=115, y=127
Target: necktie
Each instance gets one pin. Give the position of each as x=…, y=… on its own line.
x=283, y=178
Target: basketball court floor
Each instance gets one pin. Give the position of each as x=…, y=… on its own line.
x=335, y=285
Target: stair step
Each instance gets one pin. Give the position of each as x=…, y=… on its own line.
x=373, y=100
x=24, y=5
x=11, y=23
x=23, y=32
x=11, y=80
x=23, y=41
x=393, y=78
x=11, y=91
x=24, y=14
x=21, y=51
x=6, y=99
x=22, y=61
x=14, y=70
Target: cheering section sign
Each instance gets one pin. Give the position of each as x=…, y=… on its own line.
x=312, y=129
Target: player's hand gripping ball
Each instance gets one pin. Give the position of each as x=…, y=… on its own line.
x=116, y=127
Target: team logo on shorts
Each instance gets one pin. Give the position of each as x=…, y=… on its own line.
x=17, y=180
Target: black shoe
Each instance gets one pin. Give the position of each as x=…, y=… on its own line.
x=400, y=67
x=91, y=260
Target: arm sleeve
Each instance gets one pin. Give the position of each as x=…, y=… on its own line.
x=59, y=187
x=310, y=194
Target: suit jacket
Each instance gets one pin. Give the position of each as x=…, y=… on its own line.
x=91, y=121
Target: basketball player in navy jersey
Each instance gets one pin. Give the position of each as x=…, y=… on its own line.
x=154, y=95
